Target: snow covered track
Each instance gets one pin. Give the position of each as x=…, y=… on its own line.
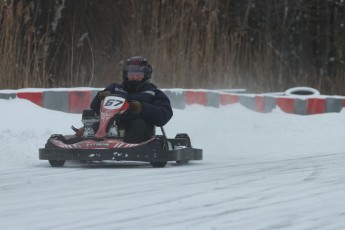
x=259, y=171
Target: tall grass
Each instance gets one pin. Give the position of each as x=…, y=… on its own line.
x=23, y=59
x=258, y=45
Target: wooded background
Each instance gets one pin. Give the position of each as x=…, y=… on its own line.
x=260, y=45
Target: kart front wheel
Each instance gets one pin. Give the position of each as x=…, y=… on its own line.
x=57, y=163
x=158, y=164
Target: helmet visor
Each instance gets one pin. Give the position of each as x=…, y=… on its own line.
x=135, y=76
x=136, y=73
x=136, y=68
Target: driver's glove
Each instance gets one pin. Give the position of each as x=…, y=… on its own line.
x=135, y=107
x=102, y=94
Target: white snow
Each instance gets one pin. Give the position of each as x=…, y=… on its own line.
x=260, y=171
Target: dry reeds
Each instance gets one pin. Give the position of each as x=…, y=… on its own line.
x=258, y=45
x=261, y=46
x=21, y=63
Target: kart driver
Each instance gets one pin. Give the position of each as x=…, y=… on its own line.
x=148, y=106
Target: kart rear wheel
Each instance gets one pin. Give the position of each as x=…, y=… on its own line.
x=188, y=144
x=158, y=164
x=182, y=162
x=57, y=163
x=184, y=136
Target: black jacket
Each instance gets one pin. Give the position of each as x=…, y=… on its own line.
x=156, y=107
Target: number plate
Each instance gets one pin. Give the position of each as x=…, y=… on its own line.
x=113, y=102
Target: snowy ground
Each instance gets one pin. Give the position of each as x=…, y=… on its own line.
x=260, y=171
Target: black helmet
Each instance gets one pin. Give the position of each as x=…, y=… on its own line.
x=137, y=65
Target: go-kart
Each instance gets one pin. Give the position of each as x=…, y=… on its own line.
x=107, y=144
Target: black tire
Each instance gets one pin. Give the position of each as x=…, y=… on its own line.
x=59, y=137
x=158, y=164
x=182, y=162
x=184, y=136
x=57, y=163
x=188, y=144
